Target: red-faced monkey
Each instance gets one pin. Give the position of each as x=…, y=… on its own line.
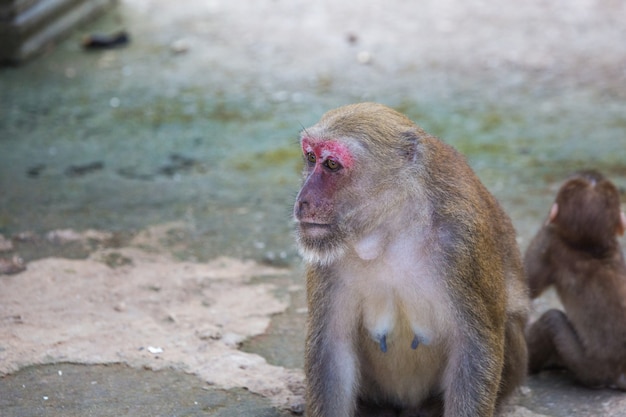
x=577, y=251
x=416, y=295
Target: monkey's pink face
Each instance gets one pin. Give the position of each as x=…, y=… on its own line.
x=328, y=163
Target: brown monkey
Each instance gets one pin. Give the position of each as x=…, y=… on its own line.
x=415, y=286
x=577, y=251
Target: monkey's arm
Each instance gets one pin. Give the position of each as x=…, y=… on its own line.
x=331, y=377
x=330, y=359
x=474, y=370
x=537, y=265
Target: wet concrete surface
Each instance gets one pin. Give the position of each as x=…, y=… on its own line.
x=74, y=390
x=196, y=121
x=552, y=393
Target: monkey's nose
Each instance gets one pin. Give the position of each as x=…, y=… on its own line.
x=301, y=207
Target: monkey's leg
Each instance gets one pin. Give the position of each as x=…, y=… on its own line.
x=553, y=338
x=541, y=339
x=567, y=348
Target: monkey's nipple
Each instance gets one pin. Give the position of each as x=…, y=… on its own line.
x=415, y=343
x=383, y=343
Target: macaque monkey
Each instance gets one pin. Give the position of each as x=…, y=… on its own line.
x=577, y=251
x=416, y=295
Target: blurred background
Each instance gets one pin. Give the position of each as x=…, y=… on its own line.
x=197, y=116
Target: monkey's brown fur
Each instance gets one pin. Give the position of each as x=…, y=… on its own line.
x=577, y=251
x=415, y=287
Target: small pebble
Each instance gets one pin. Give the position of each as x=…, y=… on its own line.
x=364, y=57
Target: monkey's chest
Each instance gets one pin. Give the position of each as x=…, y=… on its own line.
x=392, y=321
x=401, y=306
x=402, y=349
x=404, y=319
x=399, y=292
x=405, y=322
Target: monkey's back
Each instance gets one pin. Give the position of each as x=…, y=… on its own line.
x=589, y=286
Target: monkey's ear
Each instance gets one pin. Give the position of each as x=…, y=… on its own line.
x=622, y=224
x=554, y=210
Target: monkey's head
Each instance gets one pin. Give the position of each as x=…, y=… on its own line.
x=358, y=170
x=587, y=211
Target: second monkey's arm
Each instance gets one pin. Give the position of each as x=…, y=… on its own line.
x=537, y=264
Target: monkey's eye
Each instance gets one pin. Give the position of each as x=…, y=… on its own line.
x=332, y=165
x=310, y=157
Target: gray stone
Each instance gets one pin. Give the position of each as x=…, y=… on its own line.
x=27, y=27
